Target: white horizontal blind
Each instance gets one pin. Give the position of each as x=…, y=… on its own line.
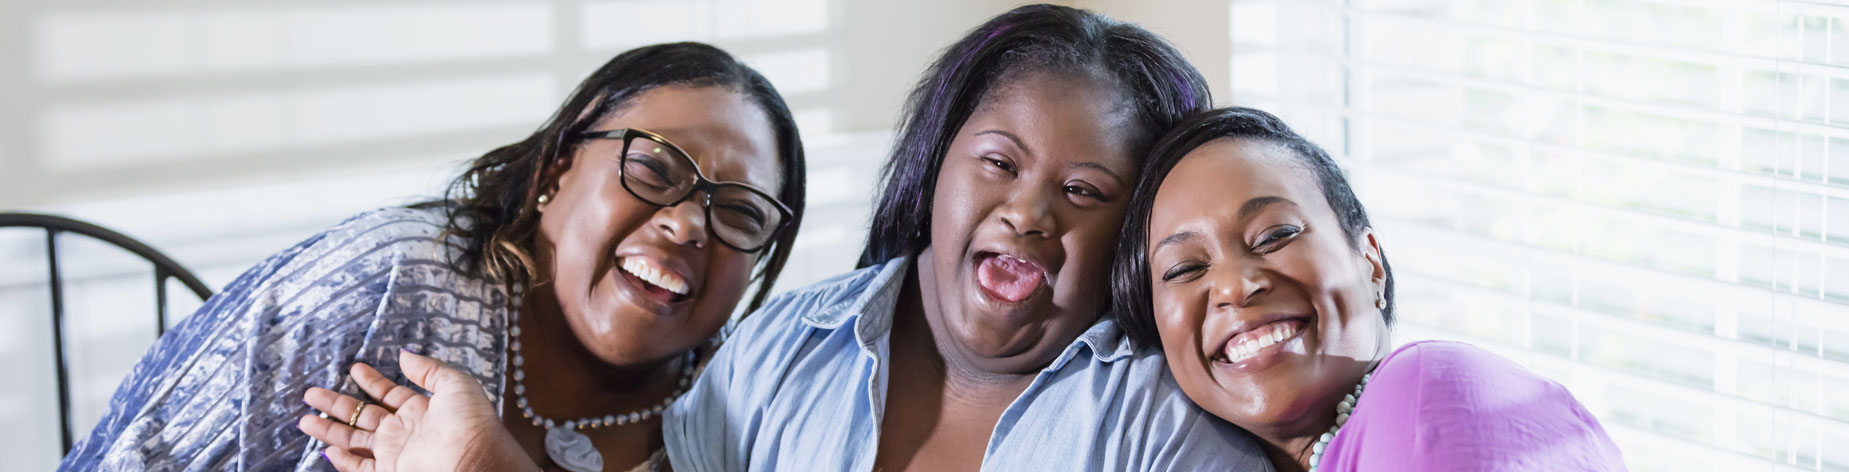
x=1645, y=200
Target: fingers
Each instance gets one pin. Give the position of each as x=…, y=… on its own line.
x=335, y=434
x=340, y=408
x=435, y=376
x=388, y=393
x=346, y=461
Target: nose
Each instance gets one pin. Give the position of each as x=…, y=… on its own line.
x=685, y=222
x=1238, y=286
x=1029, y=213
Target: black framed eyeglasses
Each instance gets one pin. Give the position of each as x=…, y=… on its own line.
x=656, y=171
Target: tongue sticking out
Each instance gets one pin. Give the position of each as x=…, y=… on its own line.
x=1007, y=278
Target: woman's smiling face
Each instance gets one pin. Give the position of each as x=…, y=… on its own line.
x=640, y=282
x=1025, y=213
x=1265, y=308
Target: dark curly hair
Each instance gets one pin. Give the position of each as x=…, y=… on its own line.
x=492, y=206
x=1130, y=270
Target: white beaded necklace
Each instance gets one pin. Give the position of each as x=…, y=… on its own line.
x=567, y=447
x=1342, y=410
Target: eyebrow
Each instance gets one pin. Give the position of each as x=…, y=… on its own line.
x=1099, y=167
x=1011, y=137
x=1246, y=211
x=1177, y=238
x=1255, y=205
x=1079, y=165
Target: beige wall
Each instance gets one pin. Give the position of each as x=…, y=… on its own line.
x=1200, y=28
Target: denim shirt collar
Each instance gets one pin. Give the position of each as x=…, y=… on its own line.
x=873, y=308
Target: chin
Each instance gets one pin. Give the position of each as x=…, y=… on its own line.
x=615, y=335
x=623, y=349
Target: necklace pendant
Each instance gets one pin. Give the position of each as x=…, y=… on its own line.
x=572, y=451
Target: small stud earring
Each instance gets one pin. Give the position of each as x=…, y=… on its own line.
x=543, y=198
x=1380, y=300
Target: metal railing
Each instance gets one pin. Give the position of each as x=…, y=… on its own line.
x=164, y=269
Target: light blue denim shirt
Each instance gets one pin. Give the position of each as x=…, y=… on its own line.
x=801, y=385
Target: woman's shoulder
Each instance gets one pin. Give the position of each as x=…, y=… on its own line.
x=397, y=227
x=829, y=302
x=362, y=250
x=788, y=324
x=295, y=319
x=1421, y=354
x=383, y=235
x=1464, y=407
x=1457, y=368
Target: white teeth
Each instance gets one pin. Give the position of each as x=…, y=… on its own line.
x=651, y=273
x=1016, y=260
x=1246, y=348
x=1241, y=351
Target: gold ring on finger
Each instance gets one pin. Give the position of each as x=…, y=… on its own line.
x=354, y=420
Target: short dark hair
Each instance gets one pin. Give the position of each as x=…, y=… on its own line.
x=1130, y=269
x=493, y=204
x=1160, y=86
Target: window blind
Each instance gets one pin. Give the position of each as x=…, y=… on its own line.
x=1645, y=200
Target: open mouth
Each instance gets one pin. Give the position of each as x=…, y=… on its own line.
x=1264, y=340
x=1007, y=278
x=655, y=281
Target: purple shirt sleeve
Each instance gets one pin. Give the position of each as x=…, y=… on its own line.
x=1437, y=405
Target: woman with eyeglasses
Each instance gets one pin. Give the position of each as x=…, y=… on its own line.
x=974, y=335
x=580, y=275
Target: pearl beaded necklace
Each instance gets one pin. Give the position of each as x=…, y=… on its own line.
x=526, y=410
x=567, y=447
x=1342, y=410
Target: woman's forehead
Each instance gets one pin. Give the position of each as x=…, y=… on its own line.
x=1217, y=178
x=1240, y=167
x=1070, y=116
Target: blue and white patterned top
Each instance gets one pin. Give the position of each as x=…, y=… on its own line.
x=801, y=385
x=223, y=389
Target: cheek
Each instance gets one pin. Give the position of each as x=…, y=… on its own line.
x=954, y=202
x=728, y=277
x=1092, y=239
x=729, y=272
x=1177, y=321
x=585, y=223
x=1336, y=289
x=958, y=206
x=1325, y=270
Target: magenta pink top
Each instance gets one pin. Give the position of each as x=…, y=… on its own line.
x=1440, y=405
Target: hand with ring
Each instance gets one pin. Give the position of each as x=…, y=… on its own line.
x=456, y=428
